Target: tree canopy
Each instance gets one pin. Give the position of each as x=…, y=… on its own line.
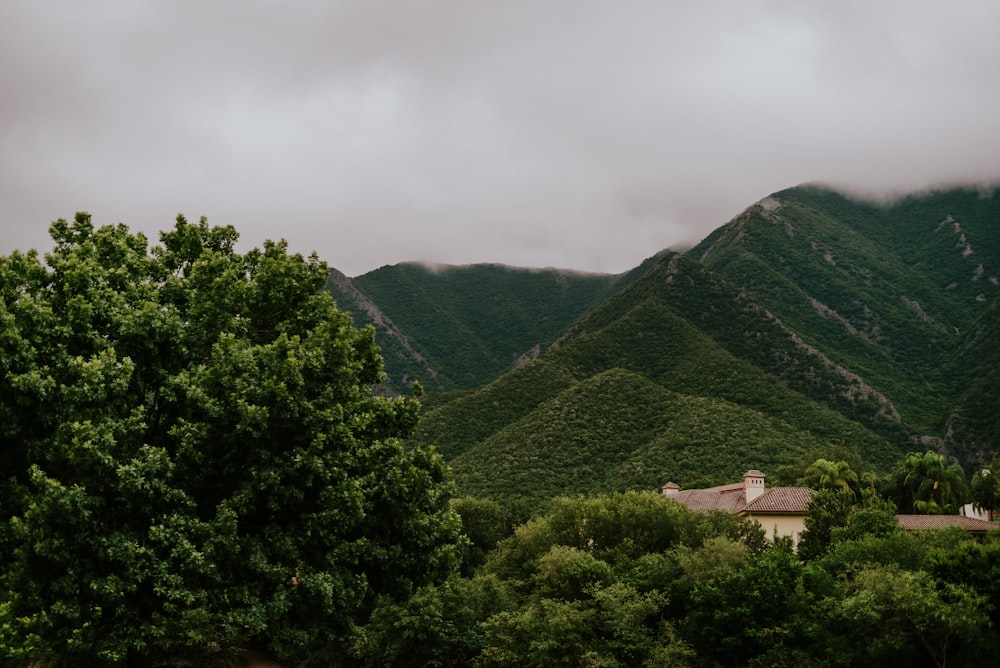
x=925, y=483
x=636, y=579
x=193, y=460
x=825, y=474
x=985, y=489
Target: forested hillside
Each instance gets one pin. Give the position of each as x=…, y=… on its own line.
x=905, y=295
x=811, y=321
x=459, y=327
x=200, y=469
x=679, y=375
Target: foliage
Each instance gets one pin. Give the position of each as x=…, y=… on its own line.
x=873, y=516
x=824, y=474
x=440, y=625
x=569, y=572
x=827, y=509
x=745, y=613
x=836, y=515
x=639, y=392
x=896, y=613
x=194, y=462
x=971, y=563
x=470, y=323
x=484, y=523
x=637, y=579
x=587, y=574
x=985, y=488
x=924, y=483
x=615, y=625
x=898, y=548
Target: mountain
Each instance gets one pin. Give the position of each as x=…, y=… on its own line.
x=902, y=294
x=812, y=324
x=459, y=327
x=680, y=375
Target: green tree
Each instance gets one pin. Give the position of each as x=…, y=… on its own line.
x=828, y=509
x=825, y=474
x=617, y=529
x=569, y=573
x=975, y=564
x=193, y=459
x=749, y=612
x=440, y=625
x=985, y=487
x=924, y=483
x=614, y=625
x=484, y=523
x=873, y=516
x=892, y=615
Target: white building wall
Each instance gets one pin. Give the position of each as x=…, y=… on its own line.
x=782, y=525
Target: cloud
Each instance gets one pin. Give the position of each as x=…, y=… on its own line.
x=545, y=133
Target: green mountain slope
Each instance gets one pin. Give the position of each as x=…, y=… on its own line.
x=810, y=321
x=681, y=376
x=460, y=327
x=974, y=422
x=890, y=292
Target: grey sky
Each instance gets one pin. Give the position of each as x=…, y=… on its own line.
x=580, y=134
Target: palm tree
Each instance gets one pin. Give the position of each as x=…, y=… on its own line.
x=986, y=487
x=824, y=474
x=926, y=484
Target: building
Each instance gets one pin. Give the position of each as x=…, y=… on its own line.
x=780, y=510
x=973, y=525
x=987, y=514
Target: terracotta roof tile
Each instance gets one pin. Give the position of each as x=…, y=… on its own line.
x=919, y=522
x=728, y=487
x=781, y=500
x=729, y=498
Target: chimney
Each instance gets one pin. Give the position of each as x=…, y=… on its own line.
x=670, y=488
x=753, y=484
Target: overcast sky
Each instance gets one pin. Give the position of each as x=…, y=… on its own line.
x=579, y=134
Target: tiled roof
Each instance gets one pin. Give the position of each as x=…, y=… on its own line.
x=780, y=500
x=918, y=522
x=732, y=498
x=728, y=497
x=728, y=487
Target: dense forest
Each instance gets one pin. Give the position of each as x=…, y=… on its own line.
x=634, y=579
x=811, y=321
x=454, y=328
x=194, y=464
x=209, y=457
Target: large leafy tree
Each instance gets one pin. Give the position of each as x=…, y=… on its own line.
x=985, y=487
x=925, y=483
x=826, y=474
x=907, y=617
x=828, y=509
x=193, y=461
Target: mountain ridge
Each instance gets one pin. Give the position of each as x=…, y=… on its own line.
x=645, y=335
x=459, y=326
x=887, y=304
x=811, y=321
